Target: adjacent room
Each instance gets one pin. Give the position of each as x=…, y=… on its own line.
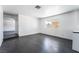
x=39, y=29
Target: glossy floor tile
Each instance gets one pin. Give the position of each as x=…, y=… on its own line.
x=37, y=43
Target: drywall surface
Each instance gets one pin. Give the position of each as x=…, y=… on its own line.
x=28, y=25
x=1, y=25
x=66, y=25
x=76, y=22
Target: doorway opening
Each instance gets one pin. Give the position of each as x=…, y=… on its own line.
x=10, y=25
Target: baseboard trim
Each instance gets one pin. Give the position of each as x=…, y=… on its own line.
x=56, y=36
x=30, y=34
x=46, y=34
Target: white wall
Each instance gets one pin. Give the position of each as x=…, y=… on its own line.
x=1, y=25
x=76, y=29
x=66, y=25
x=30, y=25
x=27, y=25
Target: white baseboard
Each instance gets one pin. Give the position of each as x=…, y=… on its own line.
x=57, y=36
x=28, y=34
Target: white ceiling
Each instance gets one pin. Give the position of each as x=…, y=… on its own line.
x=44, y=11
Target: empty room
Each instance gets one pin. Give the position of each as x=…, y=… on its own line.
x=39, y=29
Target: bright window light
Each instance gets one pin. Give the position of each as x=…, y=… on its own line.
x=47, y=22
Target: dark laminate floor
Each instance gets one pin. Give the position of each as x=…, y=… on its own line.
x=38, y=43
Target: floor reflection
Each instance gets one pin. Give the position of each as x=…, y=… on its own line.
x=37, y=43
x=50, y=45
